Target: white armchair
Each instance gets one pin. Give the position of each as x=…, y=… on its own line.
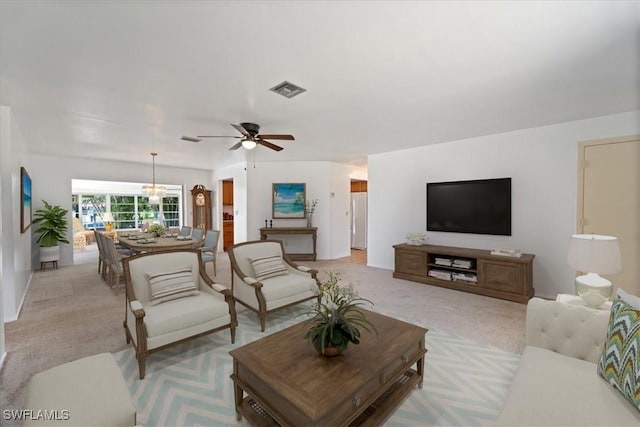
x=169, y=299
x=263, y=279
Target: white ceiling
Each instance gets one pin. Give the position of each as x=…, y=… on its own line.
x=116, y=79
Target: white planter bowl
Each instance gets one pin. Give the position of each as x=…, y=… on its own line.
x=49, y=254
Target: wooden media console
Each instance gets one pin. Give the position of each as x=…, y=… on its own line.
x=469, y=270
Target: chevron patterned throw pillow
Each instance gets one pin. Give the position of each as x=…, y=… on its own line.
x=620, y=361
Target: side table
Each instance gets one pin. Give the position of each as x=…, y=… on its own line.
x=577, y=300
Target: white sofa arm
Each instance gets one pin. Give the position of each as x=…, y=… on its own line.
x=572, y=330
x=250, y=280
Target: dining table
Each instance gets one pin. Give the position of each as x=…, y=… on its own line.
x=143, y=242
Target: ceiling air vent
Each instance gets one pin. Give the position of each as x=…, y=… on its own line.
x=288, y=90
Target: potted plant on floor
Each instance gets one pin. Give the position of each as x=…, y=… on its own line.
x=52, y=229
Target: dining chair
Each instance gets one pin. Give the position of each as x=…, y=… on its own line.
x=102, y=254
x=185, y=231
x=196, y=236
x=114, y=263
x=210, y=247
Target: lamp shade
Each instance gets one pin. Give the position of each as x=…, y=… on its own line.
x=107, y=217
x=595, y=253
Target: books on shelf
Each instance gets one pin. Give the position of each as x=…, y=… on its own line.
x=440, y=274
x=443, y=261
x=462, y=263
x=468, y=278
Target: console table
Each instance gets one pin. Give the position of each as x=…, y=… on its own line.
x=312, y=231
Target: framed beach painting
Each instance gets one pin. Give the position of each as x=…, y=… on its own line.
x=288, y=200
x=25, y=205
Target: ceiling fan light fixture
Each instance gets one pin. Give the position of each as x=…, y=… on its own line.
x=249, y=144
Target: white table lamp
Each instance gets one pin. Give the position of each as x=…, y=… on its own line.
x=594, y=254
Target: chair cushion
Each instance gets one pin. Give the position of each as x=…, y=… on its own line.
x=268, y=267
x=287, y=285
x=183, y=313
x=620, y=361
x=170, y=285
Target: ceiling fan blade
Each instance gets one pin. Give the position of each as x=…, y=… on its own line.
x=241, y=130
x=217, y=136
x=191, y=138
x=268, y=144
x=276, y=136
x=235, y=147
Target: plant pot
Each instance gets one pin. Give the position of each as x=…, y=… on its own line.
x=331, y=351
x=50, y=253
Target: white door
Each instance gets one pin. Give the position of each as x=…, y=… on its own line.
x=609, y=201
x=359, y=220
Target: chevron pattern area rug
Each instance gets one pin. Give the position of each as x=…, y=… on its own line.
x=465, y=383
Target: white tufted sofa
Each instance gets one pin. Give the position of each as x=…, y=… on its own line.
x=556, y=383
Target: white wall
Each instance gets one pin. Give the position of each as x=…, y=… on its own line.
x=340, y=206
x=5, y=135
x=326, y=181
x=15, y=247
x=542, y=163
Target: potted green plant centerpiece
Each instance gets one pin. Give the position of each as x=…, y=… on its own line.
x=337, y=318
x=156, y=229
x=52, y=229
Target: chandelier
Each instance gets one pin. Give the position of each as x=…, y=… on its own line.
x=154, y=192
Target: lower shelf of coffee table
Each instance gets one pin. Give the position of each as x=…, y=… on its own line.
x=374, y=415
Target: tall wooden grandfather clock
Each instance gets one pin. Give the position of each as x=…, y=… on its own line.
x=201, y=200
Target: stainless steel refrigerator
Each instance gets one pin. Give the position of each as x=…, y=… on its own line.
x=359, y=220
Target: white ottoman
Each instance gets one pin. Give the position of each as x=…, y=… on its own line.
x=86, y=392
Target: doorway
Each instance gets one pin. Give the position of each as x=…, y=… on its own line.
x=227, y=214
x=359, y=215
x=609, y=200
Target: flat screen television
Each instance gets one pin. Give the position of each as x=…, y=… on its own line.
x=480, y=206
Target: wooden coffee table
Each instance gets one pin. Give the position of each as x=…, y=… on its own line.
x=289, y=384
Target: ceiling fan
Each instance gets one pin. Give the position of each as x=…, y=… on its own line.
x=249, y=139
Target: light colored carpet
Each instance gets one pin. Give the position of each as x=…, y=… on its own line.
x=52, y=291
x=89, y=321
x=465, y=383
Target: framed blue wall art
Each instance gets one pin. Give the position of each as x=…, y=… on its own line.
x=288, y=201
x=25, y=203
